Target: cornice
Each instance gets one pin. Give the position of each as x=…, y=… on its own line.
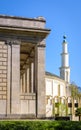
x=42, y=19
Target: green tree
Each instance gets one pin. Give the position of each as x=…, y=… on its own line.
x=78, y=113
x=62, y=109
x=74, y=90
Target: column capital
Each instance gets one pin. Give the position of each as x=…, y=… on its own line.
x=13, y=41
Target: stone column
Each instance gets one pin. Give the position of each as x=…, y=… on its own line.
x=28, y=79
x=23, y=88
x=9, y=83
x=15, y=106
x=32, y=77
x=21, y=83
x=13, y=91
x=40, y=79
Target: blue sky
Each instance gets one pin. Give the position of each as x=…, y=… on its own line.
x=62, y=17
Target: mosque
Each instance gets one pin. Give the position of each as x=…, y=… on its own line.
x=58, y=92
x=26, y=90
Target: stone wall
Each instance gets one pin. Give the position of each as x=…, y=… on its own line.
x=28, y=104
x=3, y=77
x=18, y=31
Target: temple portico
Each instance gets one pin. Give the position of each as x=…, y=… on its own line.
x=22, y=67
x=31, y=67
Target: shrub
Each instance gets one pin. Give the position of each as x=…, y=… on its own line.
x=40, y=125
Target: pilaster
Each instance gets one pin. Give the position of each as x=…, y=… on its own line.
x=13, y=90
x=40, y=79
x=15, y=79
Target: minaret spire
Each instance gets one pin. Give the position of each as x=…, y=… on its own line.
x=64, y=38
x=65, y=69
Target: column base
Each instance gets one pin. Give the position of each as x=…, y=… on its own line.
x=41, y=116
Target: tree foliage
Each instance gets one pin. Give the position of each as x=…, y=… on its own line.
x=78, y=112
x=75, y=91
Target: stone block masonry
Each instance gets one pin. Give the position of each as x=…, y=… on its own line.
x=22, y=35
x=3, y=70
x=3, y=77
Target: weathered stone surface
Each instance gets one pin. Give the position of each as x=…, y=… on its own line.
x=15, y=97
x=3, y=67
x=40, y=80
x=22, y=22
x=18, y=39
x=28, y=107
x=3, y=107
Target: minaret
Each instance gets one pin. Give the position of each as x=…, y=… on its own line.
x=65, y=69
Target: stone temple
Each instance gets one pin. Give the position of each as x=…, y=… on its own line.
x=26, y=90
x=22, y=67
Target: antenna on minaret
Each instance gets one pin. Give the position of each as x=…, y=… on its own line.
x=65, y=69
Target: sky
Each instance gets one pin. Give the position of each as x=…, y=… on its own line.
x=63, y=17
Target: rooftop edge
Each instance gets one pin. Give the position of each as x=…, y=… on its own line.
x=39, y=18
